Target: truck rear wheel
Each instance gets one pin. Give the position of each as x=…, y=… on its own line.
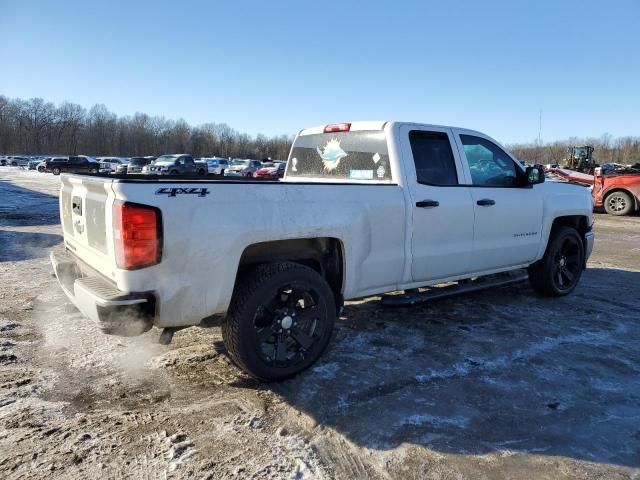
x=618, y=203
x=559, y=271
x=280, y=320
x=56, y=171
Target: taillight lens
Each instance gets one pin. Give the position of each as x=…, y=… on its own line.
x=137, y=232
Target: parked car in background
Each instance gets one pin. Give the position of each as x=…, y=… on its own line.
x=110, y=164
x=50, y=162
x=178, y=164
x=271, y=170
x=15, y=161
x=242, y=168
x=33, y=164
x=135, y=165
x=217, y=166
x=3, y=161
x=75, y=164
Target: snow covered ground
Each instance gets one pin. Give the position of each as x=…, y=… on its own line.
x=498, y=384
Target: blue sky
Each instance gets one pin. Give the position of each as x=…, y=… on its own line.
x=277, y=66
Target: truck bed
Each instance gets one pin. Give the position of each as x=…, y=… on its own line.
x=207, y=224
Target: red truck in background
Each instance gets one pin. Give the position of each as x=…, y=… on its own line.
x=615, y=189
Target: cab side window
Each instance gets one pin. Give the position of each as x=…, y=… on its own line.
x=490, y=166
x=433, y=158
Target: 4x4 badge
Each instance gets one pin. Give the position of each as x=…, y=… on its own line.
x=173, y=191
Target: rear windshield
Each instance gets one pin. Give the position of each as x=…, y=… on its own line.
x=137, y=162
x=360, y=155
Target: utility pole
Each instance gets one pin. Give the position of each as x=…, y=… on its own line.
x=540, y=129
x=539, y=149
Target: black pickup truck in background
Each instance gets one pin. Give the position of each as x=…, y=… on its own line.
x=76, y=164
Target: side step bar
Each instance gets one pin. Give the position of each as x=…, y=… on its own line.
x=415, y=297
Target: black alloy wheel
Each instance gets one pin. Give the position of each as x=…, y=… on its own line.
x=280, y=320
x=288, y=325
x=568, y=264
x=558, y=272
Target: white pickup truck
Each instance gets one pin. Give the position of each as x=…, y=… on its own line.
x=364, y=208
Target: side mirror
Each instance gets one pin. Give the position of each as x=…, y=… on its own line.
x=534, y=176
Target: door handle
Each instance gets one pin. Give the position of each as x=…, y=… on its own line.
x=427, y=204
x=486, y=202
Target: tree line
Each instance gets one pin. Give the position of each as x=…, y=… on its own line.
x=624, y=150
x=34, y=126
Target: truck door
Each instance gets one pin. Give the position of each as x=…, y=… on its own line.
x=189, y=165
x=508, y=217
x=442, y=210
x=73, y=165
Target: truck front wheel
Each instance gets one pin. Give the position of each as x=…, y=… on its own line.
x=280, y=320
x=618, y=203
x=558, y=272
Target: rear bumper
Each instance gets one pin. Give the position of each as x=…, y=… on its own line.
x=589, y=238
x=114, y=311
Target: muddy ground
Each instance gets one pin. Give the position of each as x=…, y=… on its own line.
x=499, y=384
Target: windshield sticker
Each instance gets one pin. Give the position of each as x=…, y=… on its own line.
x=294, y=162
x=331, y=154
x=361, y=174
x=376, y=157
x=381, y=171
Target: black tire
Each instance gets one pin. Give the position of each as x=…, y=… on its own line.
x=173, y=172
x=93, y=170
x=261, y=331
x=41, y=169
x=56, y=171
x=559, y=271
x=618, y=203
x=200, y=172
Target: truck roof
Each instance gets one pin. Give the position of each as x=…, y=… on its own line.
x=375, y=125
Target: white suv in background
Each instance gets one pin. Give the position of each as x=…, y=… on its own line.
x=217, y=165
x=109, y=164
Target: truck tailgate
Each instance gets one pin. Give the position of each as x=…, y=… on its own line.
x=85, y=211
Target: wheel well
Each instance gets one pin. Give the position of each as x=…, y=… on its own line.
x=618, y=189
x=324, y=255
x=579, y=222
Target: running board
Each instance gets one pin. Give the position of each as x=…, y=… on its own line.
x=431, y=294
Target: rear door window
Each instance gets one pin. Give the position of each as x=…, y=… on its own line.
x=433, y=158
x=358, y=155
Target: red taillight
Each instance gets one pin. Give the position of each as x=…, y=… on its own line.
x=136, y=235
x=337, y=127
